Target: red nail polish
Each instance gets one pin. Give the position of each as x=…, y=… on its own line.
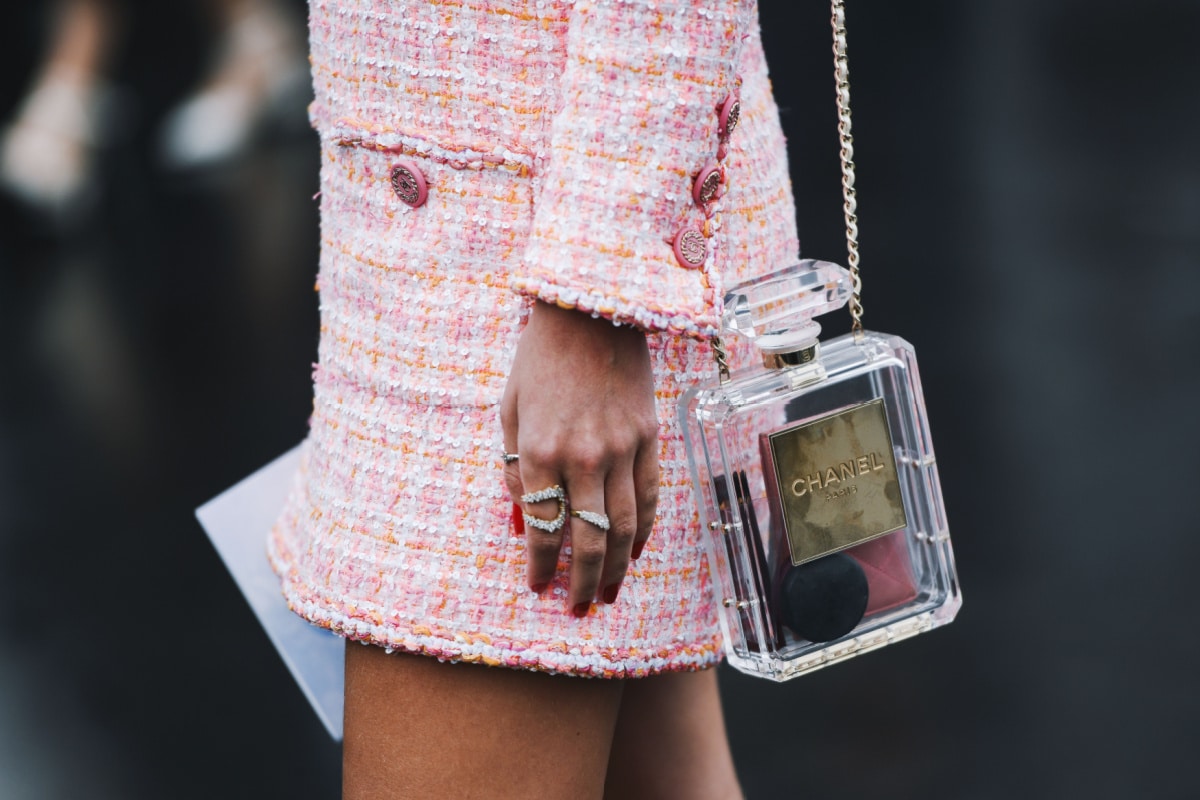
x=518, y=520
x=637, y=549
x=610, y=593
x=581, y=609
x=538, y=588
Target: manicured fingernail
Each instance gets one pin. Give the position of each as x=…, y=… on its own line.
x=637, y=549
x=581, y=609
x=610, y=593
x=538, y=588
x=518, y=520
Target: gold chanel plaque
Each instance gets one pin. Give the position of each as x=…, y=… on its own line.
x=836, y=481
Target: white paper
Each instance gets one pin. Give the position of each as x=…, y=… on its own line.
x=237, y=522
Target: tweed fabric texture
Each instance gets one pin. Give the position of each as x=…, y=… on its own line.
x=559, y=142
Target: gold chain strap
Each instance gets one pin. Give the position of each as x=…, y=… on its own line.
x=721, y=357
x=841, y=71
x=849, y=197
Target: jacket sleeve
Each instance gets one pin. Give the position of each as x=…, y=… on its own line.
x=621, y=228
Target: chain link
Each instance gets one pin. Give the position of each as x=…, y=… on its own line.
x=849, y=197
x=722, y=358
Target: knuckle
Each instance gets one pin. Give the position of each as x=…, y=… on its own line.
x=588, y=456
x=543, y=544
x=589, y=555
x=543, y=451
x=624, y=528
x=639, y=434
x=647, y=494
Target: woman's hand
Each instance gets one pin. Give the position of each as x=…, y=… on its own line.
x=579, y=411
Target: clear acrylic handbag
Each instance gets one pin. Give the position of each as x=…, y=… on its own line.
x=815, y=473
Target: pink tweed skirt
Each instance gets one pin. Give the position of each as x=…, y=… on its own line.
x=398, y=528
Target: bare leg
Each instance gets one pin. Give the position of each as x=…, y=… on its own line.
x=670, y=741
x=415, y=727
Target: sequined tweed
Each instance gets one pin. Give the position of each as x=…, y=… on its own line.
x=559, y=142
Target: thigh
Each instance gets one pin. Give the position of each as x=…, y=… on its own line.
x=670, y=741
x=417, y=727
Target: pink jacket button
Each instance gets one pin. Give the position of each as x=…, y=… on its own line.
x=409, y=184
x=690, y=248
x=707, y=184
x=731, y=112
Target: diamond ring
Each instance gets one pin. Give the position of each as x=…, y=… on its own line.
x=541, y=495
x=599, y=520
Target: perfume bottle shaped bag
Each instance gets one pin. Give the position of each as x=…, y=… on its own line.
x=815, y=472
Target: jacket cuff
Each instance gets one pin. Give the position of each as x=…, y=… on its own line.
x=649, y=317
x=626, y=214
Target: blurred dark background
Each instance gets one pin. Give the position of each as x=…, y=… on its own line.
x=1029, y=188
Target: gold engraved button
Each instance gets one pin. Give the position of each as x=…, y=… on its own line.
x=690, y=248
x=707, y=184
x=730, y=113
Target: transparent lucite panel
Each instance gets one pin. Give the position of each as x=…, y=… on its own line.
x=786, y=610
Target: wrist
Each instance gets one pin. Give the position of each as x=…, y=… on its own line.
x=584, y=322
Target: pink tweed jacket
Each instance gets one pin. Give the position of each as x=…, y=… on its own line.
x=621, y=157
